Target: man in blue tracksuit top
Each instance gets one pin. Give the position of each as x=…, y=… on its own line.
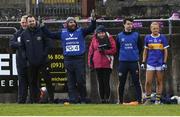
x=36, y=47
x=129, y=45
x=21, y=63
x=73, y=43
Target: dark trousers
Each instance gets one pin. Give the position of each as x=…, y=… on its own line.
x=124, y=68
x=103, y=76
x=76, y=79
x=34, y=82
x=23, y=84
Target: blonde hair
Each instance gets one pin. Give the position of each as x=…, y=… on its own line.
x=23, y=17
x=154, y=23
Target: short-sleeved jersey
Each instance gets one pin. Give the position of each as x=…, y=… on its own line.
x=155, y=46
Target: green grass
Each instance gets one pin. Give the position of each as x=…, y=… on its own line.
x=87, y=110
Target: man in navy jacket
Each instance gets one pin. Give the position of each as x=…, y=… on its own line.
x=36, y=47
x=21, y=63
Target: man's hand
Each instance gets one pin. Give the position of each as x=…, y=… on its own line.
x=164, y=66
x=41, y=24
x=143, y=66
x=93, y=15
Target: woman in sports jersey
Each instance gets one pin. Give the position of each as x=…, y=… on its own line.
x=155, y=55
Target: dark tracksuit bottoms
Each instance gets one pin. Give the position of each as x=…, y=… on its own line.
x=124, y=68
x=103, y=76
x=23, y=83
x=35, y=82
x=76, y=78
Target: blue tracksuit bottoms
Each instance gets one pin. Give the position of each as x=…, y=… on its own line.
x=124, y=68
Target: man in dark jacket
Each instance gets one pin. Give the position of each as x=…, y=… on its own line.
x=21, y=63
x=73, y=43
x=129, y=45
x=36, y=47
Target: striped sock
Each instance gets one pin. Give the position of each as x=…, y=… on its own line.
x=158, y=97
x=148, y=97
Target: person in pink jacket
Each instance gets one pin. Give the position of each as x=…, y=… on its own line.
x=100, y=58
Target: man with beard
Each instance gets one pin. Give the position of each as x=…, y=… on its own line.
x=36, y=46
x=15, y=43
x=73, y=43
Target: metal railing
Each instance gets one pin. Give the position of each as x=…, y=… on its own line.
x=169, y=23
x=7, y=31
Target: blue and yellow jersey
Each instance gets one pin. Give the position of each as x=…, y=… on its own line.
x=155, y=46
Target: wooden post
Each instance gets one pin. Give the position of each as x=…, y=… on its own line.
x=84, y=8
x=87, y=6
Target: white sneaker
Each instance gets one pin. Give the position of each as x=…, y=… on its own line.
x=157, y=102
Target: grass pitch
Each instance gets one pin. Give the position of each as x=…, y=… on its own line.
x=87, y=110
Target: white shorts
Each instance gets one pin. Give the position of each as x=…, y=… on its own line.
x=149, y=67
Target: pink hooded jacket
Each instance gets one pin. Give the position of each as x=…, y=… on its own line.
x=99, y=59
